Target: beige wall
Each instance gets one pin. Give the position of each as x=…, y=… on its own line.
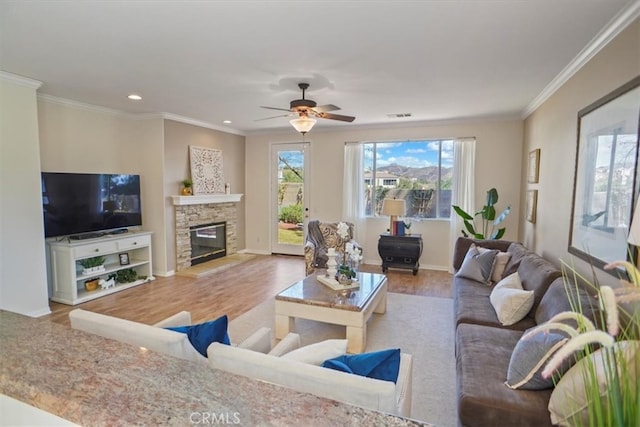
x=22, y=258
x=76, y=138
x=553, y=129
x=498, y=154
x=177, y=139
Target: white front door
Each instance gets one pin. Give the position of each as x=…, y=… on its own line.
x=289, y=198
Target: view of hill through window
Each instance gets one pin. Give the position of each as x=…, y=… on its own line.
x=420, y=172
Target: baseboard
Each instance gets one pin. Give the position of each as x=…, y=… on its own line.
x=254, y=252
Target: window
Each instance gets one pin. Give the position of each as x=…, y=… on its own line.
x=420, y=172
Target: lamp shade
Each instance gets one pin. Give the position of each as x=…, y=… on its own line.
x=634, y=229
x=303, y=124
x=394, y=207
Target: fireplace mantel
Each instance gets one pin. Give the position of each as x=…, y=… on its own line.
x=202, y=199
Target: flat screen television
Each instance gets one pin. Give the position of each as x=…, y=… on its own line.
x=77, y=203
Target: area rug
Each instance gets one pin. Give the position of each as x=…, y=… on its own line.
x=420, y=326
x=215, y=266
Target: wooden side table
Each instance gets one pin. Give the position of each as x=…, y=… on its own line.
x=400, y=251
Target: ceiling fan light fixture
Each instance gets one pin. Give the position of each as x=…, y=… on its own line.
x=303, y=124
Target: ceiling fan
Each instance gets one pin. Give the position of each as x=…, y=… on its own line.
x=306, y=110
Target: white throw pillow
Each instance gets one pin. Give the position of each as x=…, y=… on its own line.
x=510, y=301
x=316, y=354
x=569, y=403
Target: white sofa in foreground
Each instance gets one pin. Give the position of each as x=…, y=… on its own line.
x=155, y=337
x=369, y=393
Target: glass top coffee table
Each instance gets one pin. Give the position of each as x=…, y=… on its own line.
x=310, y=299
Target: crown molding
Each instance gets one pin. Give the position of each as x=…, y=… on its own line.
x=20, y=80
x=80, y=105
x=133, y=116
x=189, y=121
x=621, y=21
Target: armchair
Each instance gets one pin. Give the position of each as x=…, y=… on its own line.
x=320, y=237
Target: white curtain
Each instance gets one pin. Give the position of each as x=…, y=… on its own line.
x=353, y=192
x=463, y=191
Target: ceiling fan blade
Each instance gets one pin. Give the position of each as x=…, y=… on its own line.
x=275, y=108
x=336, y=117
x=274, y=117
x=324, y=108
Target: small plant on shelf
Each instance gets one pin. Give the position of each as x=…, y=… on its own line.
x=126, y=276
x=92, y=265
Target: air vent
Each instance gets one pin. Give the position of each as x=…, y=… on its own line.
x=398, y=115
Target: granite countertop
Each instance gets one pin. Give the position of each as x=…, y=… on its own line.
x=91, y=380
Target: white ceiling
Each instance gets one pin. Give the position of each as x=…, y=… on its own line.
x=210, y=61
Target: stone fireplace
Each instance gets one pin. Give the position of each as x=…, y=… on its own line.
x=194, y=211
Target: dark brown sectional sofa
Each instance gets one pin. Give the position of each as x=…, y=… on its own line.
x=484, y=345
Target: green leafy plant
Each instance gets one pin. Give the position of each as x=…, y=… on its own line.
x=95, y=261
x=488, y=217
x=187, y=183
x=291, y=214
x=609, y=392
x=126, y=276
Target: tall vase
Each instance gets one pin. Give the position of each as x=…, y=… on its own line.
x=332, y=264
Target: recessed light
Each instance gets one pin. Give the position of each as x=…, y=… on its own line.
x=226, y=122
x=135, y=97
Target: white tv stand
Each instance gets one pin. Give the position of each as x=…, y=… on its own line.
x=66, y=275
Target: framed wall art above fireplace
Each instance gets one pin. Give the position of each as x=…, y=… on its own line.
x=606, y=177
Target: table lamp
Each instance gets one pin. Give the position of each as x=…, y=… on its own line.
x=394, y=208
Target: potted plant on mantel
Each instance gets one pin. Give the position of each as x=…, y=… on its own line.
x=186, y=187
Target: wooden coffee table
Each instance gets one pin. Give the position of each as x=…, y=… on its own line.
x=310, y=299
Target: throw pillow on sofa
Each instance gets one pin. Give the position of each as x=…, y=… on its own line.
x=382, y=365
x=499, y=264
x=529, y=358
x=203, y=334
x=478, y=265
x=510, y=301
x=316, y=354
x=570, y=401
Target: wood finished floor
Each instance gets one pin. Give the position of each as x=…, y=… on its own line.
x=233, y=291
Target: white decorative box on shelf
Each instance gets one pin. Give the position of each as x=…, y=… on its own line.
x=203, y=199
x=334, y=284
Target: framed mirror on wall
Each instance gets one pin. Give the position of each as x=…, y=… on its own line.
x=606, y=177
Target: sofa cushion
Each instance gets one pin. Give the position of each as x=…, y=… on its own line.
x=517, y=251
x=478, y=265
x=303, y=377
x=537, y=274
x=203, y=334
x=529, y=359
x=560, y=298
x=471, y=305
x=316, y=354
x=510, y=301
x=483, y=398
x=463, y=243
x=382, y=365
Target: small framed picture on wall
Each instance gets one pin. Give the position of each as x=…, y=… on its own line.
x=534, y=166
x=124, y=259
x=532, y=205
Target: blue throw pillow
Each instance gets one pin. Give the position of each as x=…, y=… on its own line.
x=382, y=365
x=202, y=335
